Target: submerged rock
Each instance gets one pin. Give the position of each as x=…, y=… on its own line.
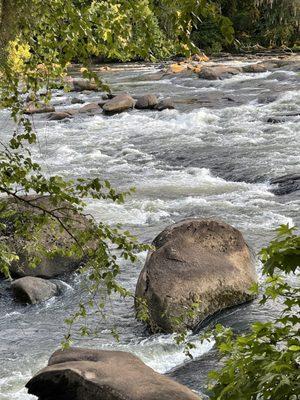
x=49, y=238
x=218, y=72
x=33, y=290
x=86, y=374
x=119, y=103
x=286, y=184
x=148, y=101
x=275, y=120
x=196, y=261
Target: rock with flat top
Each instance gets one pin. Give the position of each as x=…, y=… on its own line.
x=86, y=374
x=119, y=103
x=38, y=108
x=218, y=72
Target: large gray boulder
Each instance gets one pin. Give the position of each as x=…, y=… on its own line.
x=49, y=238
x=218, y=72
x=198, y=264
x=83, y=374
x=33, y=290
x=119, y=103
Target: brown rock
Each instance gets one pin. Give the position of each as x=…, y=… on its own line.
x=218, y=72
x=83, y=374
x=176, y=68
x=59, y=115
x=90, y=108
x=195, y=261
x=38, y=108
x=119, y=103
x=165, y=104
x=80, y=85
x=255, y=68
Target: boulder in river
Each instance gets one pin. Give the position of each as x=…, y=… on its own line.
x=198, y=263
x=255, y=68
x=38, y=108
x=218, y=72
x=80, y=85
x=77, y=100
x=147, y=101
x=286, y=184
x=165, y=104
x=32, y=290
x=59, y=116
x=50, y=238
x=119, y=103
x=86, y=374
x=90, y=108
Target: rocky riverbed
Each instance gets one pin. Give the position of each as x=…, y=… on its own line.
x=225, y=148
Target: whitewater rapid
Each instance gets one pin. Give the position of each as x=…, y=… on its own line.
x=193, y=161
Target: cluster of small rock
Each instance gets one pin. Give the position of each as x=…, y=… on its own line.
x=109, y=104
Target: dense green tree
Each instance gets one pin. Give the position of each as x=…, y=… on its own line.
x=264, y=363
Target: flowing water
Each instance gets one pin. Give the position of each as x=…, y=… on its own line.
x=212, y=156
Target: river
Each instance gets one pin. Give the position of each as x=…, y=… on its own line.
x=212, y=156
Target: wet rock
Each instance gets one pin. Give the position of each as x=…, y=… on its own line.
x=286, y=184
x=266, y=98
x=80, y=85
x=255, y=68
x=275, y=120
x=31, y=290
x=90, y=108
x=119, y=103
x=76, y=100
x=155, y=76
x=49, y=239
x=165, y=104
x=195, y=261
x=59, y=115
x=38, y=108
x=84, y=374
x=218, y=72
x=147, y=101
x=108, y=96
